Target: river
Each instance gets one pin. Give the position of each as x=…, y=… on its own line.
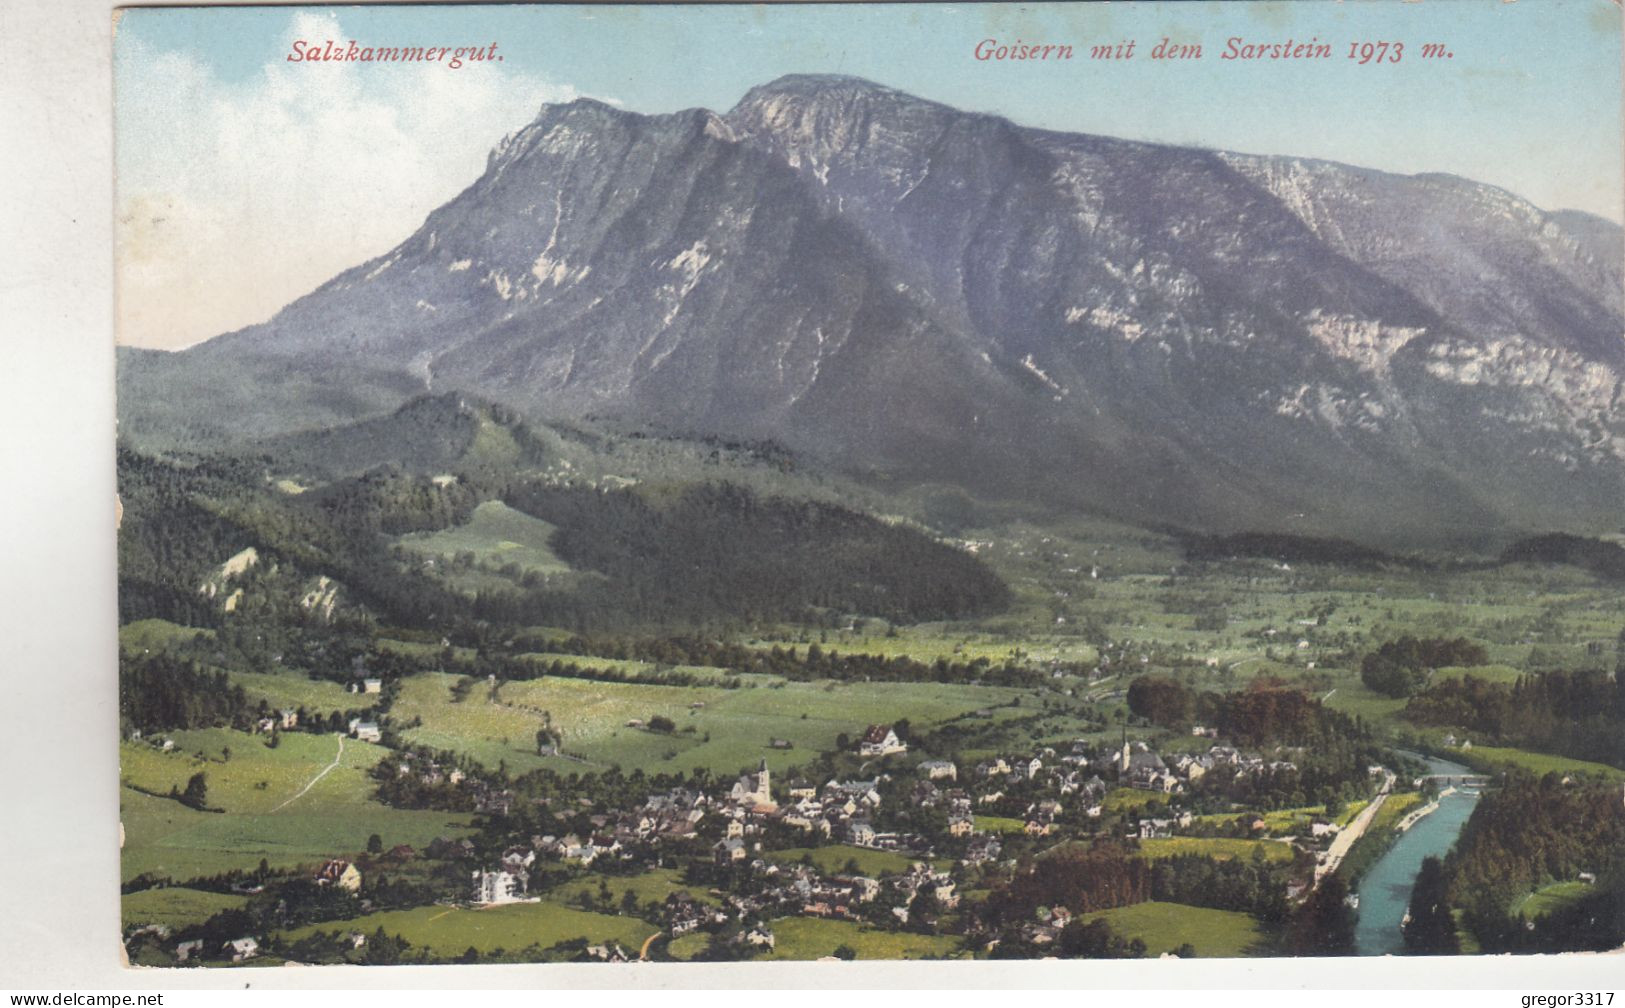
x=1385, y=891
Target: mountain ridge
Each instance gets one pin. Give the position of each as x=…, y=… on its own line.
x=900, y=288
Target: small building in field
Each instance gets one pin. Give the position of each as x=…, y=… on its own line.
x=239, y=949
x=880, y=740
x=340, y=873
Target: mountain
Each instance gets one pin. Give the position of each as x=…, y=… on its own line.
x=917, y=293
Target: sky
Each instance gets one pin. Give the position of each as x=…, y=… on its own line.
x=246, y=180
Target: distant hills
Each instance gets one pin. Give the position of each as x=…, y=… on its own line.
x=901, y=290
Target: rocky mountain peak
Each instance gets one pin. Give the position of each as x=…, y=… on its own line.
x=1175, y=334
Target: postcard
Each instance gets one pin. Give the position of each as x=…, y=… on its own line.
x=724, y=483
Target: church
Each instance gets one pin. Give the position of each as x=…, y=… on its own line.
x=754, y=790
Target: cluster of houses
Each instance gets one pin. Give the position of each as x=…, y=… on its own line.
x=487, y=797
x=1042, y=790
x=803, y=890
x=283, y=720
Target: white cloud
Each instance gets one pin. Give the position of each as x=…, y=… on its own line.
x=236, y=198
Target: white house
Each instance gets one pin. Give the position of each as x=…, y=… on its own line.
x=880, y=740
x=240, y=949
x=499, y=886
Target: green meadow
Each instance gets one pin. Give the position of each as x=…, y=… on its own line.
x=731, y=730
x=496, y=535
x=175, y=906
x=650, y=886
x=1548, y=898
x=833, y=859
x=1223, y=848
x=446, y=932
x=1493, y=758
x=1164, y=927
x=297, y=804
x=814, y=938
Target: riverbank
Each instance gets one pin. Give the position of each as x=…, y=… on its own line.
x=1387, y=868
x=1379, y=836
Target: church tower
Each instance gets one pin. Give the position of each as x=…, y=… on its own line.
x=764, y=793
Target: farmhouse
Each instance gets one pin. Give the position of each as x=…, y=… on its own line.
x=340, y=873
x=372, y=685
x=240, y=948
x=880, y=740
x=367, y=731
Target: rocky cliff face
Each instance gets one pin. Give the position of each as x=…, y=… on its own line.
x=1167, y=334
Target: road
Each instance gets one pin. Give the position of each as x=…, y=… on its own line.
x=1344, y=841
x=325, y=771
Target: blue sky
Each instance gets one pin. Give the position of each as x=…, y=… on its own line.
x=1530, y=100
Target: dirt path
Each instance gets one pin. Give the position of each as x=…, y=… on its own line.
x=1344, y=841
x=325, y=771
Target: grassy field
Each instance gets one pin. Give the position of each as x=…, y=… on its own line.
x=1224, y=848
x=274, y=821
x=1393, y=810
x=175, y=907
x=254, y=778
x=832, y=860
x=927, y=642
x=1548, y=898
x=1491, y=758
x=1283, y=822
x=1489, y=673
x=1164, y=927
x=731, y=732
x=999, y=824
x=653, y=885
x=496, y=534
x=1354, y=698
x=295, y=690
x=813, y=938
x=632, y=668
x=1130, y=799
x=448, y=931
x=153, y=635
x=420, y=649
x=688, y=946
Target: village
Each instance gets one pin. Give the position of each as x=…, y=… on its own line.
x=745, y=846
